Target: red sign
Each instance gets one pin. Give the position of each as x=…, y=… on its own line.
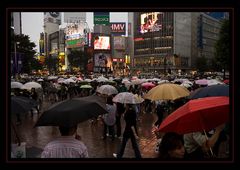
x=118, y=60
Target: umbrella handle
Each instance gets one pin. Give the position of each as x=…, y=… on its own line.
x=207, y=139
x=15, y=131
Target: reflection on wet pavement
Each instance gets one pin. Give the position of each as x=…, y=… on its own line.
x=37, y=137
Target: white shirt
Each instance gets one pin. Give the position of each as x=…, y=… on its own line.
x=65, y=147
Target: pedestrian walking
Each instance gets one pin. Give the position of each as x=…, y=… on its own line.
x=130, y=132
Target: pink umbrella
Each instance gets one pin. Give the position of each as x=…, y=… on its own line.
x=202, y=82
x=148, y=85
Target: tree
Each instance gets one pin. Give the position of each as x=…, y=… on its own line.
x=222, y=47
x=36, y=65
x=78, y=59
x=52, y=63
x=25, y=48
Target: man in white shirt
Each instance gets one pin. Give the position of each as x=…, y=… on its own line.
x=66, y=146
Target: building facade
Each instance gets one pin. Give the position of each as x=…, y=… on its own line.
x=162, y=41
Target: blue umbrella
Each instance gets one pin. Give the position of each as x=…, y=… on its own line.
x=210, y=91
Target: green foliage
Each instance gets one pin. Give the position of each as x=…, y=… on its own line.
x=222, y=46
x=52, y=63
x=26, y=48
x=77, y=59
x=36, y=65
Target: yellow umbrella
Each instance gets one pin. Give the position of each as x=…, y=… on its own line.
x=167, y=91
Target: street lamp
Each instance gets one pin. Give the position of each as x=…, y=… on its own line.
x=15, y=56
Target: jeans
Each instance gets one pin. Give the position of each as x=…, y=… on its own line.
x=126, y=136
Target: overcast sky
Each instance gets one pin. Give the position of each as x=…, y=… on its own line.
x=32, y=23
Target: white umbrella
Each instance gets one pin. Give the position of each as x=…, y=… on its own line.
x=102, y=79
x=30, y=85
x=128, y=98
x=40, y=80
x=67, y=81
x=163, y=81
x=87, y=80
x=136, y=81
x=52, y=77
x=86, y=86
x=16, y=85
x=107, y=89
x=213, y=82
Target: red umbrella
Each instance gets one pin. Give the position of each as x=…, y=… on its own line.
x=197, y=115
x=226, y=81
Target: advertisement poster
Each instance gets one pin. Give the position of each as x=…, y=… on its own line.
x=102, y=60
x=151, y=22
x=119, y=43
x=102, y=43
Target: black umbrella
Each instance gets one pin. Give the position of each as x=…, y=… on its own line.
x=71, y=112
x=20, y=104
x=210, y=91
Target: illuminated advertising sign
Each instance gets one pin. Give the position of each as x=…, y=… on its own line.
x=121, y=60
x=119, y=43
x=52, y=17
x=75, y=43
x=101, y=18
x=41, y=44
x=151, y=22
x=102, y=43
x=102, y=60
x=89, y=39
x=74, y=31
x=118, y=28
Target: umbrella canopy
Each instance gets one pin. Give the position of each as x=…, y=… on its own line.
x=226, y=81
x=102, y=79
x=213, y=82
x=16, y=85
x=127, y=98
x=20, y=104
x=40, y=80
x=197, y=115
x=167, y=91
x=148, y=85
x=31, y=85
x=86, y=86
x=107, y=89
x=70, y=113
x=202, y=82
x=210, y=91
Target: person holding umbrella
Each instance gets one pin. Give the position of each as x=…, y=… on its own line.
x=198, y=146
x=66, y=146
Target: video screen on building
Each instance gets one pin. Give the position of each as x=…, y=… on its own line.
x=102, y=60
x=102, y=43
x=151, y=22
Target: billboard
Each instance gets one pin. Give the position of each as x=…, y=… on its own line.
x=52, y=17
x=102, y=43
x=118, y=28
x=74, y=31
x=71, y=17
x=151, y=22
x=119, y=43
x=101, y=18
x=102, y=60
x=41, y=44
x=75, y=43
